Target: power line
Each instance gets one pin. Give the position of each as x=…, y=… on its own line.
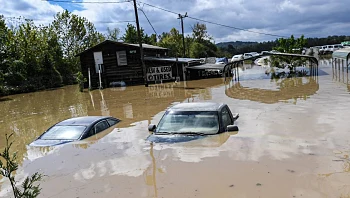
x=33, y=19
x=148, y=21
x=214, y=23
x=63, y=1
x=141, y=9
x=237, y=28
x=113, y=22
x=159, y=8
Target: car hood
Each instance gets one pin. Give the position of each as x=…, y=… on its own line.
x=172, y=138
x=40, y=142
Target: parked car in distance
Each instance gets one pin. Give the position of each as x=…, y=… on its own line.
x=250, y=54
x=263, y=52
x=74, y=129
x=254, y=53
x=198, y=118
x=237, y=57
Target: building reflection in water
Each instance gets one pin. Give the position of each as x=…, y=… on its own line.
x=275, y=86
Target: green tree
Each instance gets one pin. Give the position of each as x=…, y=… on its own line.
x=112, y=34
x=75, y=34
x=202, y=45
x=200, y=33
x=131, y=36
x=172, y=41
x=198, y=50
x=3, y=51
x=289, y=45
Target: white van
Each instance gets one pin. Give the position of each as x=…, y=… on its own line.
x=332, y=48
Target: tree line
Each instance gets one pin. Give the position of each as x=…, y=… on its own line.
x=233, y=48
x=35, y=57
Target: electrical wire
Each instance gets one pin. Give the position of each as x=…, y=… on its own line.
x=15, y=18
x=159, y=8
x=148, y=21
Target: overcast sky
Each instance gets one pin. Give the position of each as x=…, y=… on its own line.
x=313, y=18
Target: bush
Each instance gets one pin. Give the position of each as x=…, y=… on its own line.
x=28, y=188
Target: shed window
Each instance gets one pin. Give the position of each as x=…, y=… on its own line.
x=121, y=57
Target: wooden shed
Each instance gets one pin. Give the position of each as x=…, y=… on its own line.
x=116, y=62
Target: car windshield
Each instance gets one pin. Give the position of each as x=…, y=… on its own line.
x=63, y=133
x=193, y=122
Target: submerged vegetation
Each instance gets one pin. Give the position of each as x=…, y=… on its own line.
x=8, y=166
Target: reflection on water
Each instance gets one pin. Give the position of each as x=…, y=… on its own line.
x=29, y=115
x=151, y=172
x=283, y=86
x=341, y=74
x=274, y=138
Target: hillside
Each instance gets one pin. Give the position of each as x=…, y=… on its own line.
x=235, y=44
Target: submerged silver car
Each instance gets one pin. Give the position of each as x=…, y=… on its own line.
x=198, y=118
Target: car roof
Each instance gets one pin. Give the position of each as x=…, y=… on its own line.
x=84, y=120
x=197, y=106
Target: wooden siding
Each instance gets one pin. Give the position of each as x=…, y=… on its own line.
x=130, y=74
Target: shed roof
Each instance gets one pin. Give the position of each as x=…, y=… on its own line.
x=208, y=66
x=171, y=59
x=145, y=46
x=342, y=53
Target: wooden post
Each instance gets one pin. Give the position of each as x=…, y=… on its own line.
x=332, y=72
x=89, y=76
x=183, y=36
x=99, y=76
x=140, y=44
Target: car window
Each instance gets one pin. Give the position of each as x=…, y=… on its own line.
x=90, y=133
x=63, y=133
x=112, y=122
x=226, y=118
x=100, y=126
x=189, y=122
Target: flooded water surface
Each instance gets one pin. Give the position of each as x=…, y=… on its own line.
x=294, y=139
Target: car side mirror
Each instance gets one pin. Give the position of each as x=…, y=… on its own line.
x=231, y=128
x=235, y=116
x=152, y=127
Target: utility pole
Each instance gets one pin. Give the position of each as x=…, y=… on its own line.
x=140, y=43
x=183, y=36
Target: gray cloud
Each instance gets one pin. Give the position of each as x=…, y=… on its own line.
x=279, y=17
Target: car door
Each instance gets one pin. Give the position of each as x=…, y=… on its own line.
x=226, y=118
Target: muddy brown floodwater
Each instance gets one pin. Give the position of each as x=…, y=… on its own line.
x=293, y=139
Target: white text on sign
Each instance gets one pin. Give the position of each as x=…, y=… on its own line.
x=159, y=73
